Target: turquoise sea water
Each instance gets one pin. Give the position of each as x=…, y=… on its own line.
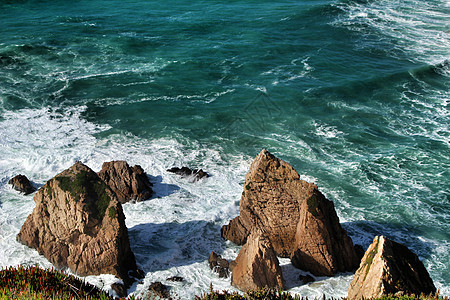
x=354, y=94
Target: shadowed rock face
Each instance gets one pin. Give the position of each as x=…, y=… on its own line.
x=389, y=268
x=128, y=183
x=22, y=184
x=79, y=223
x=257, y=266
x=322, y=246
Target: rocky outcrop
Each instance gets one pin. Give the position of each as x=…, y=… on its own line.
x=196, y=174
x=219, y=265
x=22, y=184
x=322, y=246
x=257, y=266
x=79, y=223
x=273, y=193
x=128, y=183
x=158, y=289
x=389, y=268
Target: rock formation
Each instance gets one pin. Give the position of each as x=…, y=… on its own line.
x=389, y=268
x=219, y=265
x=79, y=223
x=322, y=246
x=257, y=266
x=298, y=220
x=128, y=183
x=22, y=184
x=270, y=202
x=186, y=172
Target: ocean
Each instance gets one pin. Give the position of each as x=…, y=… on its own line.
x=353, y=94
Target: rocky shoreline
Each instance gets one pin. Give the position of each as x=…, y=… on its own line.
x=78, y=223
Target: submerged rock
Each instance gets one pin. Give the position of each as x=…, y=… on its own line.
x=219, y=265
x=128, y=183
x=187, y=172
x=257, y=265
x=322, y=246
x=79, y=223
x=22, y=184
x=389, y=268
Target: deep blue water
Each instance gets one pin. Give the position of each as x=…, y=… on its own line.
x=354, y=94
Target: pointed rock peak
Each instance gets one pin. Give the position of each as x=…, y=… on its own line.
x=268, y=167
x=322, y=246
x=389, y=267
x=257, y=265
x=270, y=202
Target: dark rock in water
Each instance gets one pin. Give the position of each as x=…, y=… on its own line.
x=159, y=289
x=22, y=184
x=79, y=223
x=175, y=279
x=219, y=265
x=389, y=268
x=186, y=172
x=306, y=278
x=120, y=289
x=139, y=274
x=359, y=251
x=128, y=183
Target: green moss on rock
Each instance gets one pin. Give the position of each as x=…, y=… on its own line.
x=87, y=184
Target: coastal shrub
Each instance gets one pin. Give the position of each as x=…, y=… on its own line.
x=32, y=282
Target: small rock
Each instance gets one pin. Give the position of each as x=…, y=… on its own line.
x=128, y=183
x=22, y=184
x=175, y=279
x=306, y=278
x=159, y=289
x=120, y=289
x=219, y=265
x=186, y=172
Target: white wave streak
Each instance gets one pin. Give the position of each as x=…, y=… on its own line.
x=417, y=28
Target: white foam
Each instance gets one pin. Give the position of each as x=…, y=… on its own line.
x=417, y=27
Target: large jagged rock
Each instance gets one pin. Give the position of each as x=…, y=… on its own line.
x=389, y=268
x=322, y=246
x=128, y=183
x=257, y=266
x=273, y=193
x=79, y=223
x=22, y=184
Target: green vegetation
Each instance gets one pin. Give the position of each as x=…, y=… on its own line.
x=248, y=186
x=36, y=283
x=261, y=294
x=313, y=204
x=370, y=257
x=112, y=213
x=88, y=184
